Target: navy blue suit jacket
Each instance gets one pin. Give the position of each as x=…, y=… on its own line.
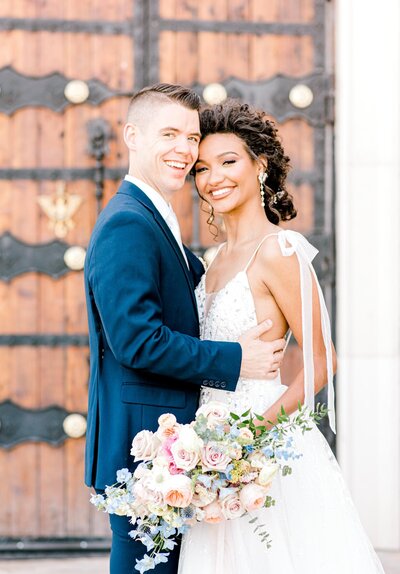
x=145, y=355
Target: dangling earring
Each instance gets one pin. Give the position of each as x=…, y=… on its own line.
x=262, y=176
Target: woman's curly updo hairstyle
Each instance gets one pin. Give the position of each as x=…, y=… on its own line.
x=261, y=139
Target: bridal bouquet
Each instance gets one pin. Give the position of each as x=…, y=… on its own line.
x=219, y=467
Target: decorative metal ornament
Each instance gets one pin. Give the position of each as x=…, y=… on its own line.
x=60, y=209
x=214, y=94
x=74, y=425
x=76, y=91
x=301, y=96
x=74, y=257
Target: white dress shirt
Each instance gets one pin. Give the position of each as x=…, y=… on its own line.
x=163, y=207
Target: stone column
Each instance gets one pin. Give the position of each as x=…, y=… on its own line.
x=368, y=257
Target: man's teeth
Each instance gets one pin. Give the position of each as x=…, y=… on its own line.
x=220, y=191
x=178, y=164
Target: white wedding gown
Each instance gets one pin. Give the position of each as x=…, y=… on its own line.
x=314, y=526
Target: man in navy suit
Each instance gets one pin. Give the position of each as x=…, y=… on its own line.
x=145, y=355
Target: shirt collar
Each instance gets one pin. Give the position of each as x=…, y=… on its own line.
x=156, y=198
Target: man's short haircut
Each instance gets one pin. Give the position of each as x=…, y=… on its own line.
x=158, y=94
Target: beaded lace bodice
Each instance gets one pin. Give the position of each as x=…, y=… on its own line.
x=226, y=314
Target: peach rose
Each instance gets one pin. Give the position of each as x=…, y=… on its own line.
x=168, y=426
x=253, y=496
x=232, y=507
x=167, y=420
x=178, y=491
x=213, y=513
x=145, y=445
x=213, y=457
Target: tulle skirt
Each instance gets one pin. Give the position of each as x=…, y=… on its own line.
x=314, y=526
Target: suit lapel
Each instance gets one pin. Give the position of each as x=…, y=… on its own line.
x=137, y=194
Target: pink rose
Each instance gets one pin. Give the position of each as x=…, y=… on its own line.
x=215, y=412
x=178, y=491
x=213, y=513
x=213, y=457
x=185, y=451
x=184, y=459
x=253, y=496
x=145, y=445
x=232, y=507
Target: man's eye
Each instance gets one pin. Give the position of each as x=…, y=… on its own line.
x=194, y=139
x=168, y=135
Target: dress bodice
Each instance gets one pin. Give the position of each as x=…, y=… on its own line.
x=226, y=314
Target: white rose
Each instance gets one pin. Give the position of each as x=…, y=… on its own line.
x=232, y=507
x=145, y=445
x=189, y=439
x=215, y=412
x=267, y=473
x=245, y=436
x=257, y=459
x=202, y=497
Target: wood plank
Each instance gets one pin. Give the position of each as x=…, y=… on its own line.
x=76, y=494
x=298, y=142
x=51, y=459
x=22, y=460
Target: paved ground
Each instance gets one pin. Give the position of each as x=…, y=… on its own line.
x=390, y=561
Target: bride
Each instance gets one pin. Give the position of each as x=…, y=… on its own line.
x=264, y=271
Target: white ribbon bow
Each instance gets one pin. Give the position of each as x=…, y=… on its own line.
x=305, y=253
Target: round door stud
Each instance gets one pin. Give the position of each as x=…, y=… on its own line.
x=301, y=96
x=74, y=425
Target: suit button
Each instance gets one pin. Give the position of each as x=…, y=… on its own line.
x=217, y=384
x=211, y=383
x=205, y=382
x=223, y=384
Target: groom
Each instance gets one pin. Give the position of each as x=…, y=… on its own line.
x=145, y=355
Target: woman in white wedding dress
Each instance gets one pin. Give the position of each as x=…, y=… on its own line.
x=263, y=271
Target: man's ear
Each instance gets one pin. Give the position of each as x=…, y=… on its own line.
x=130, y=136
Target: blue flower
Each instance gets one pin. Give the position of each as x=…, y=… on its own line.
x=161, y=557
x=123, y=475
x=169, y=544
x=146, y=563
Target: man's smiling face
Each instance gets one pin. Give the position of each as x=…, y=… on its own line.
x=164, y=147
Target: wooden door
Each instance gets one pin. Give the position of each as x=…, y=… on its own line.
x=265, y=52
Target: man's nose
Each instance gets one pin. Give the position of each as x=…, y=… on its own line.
x=182, y=145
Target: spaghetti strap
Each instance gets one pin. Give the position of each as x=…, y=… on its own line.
x=215, y=256
x=256, y=250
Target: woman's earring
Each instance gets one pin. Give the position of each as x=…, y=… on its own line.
x=262, y=176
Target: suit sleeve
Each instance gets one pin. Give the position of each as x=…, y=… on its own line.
x=124, y=272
